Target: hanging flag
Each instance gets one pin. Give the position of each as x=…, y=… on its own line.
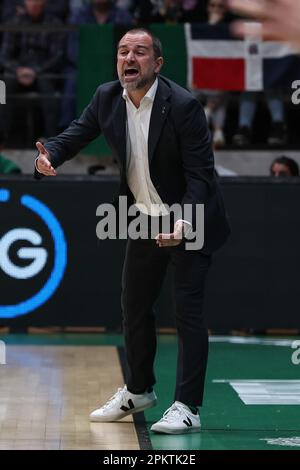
x=219, y=61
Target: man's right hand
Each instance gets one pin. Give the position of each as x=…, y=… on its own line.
x=43, y=164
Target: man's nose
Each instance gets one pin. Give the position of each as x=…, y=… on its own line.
x=130, y=56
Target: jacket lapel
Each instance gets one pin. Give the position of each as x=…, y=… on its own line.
x=159, y=113
x=160, y=109
x=119, y=122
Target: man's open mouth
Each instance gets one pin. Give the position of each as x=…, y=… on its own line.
x=131, y=72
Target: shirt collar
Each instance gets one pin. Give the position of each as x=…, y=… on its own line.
x=149, y=96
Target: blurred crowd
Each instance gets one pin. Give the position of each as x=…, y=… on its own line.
x=138, y=11
x=44, y=64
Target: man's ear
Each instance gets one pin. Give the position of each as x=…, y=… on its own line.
x=159, y=63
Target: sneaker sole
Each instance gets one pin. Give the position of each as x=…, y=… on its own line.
x=177, y=431
x=104, y=419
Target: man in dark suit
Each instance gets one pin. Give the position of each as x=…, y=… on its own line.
x=159, y=135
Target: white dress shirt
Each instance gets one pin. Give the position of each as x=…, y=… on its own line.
x=146, y=197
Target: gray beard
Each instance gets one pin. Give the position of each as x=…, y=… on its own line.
x=138, y=84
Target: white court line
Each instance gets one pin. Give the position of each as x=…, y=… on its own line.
x=265, y=392
x=251, y=340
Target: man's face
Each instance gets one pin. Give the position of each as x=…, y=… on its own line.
x=136, y=64
x=35, y=8
x=279, y=169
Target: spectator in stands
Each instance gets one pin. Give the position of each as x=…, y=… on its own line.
x=193, y=11
x=247, y=108
x=284, y=166
x=277, y=23
x=97, y=12
x=156, y=11
x=159, y=11
x=171, y=11
x=101, y=12
x=74, y=6
x=58, y=8
x=12, y=8
x=7, y=167
x=216, y=102
x=126, y=4
x=29, y=58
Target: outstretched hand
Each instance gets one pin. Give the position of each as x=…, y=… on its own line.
x=43, y=162
x=171, y=239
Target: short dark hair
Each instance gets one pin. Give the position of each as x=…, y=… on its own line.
x=157, y=47
x=289, y=162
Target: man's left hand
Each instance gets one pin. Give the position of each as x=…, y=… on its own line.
x=171, y=239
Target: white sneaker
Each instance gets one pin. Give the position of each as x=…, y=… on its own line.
x=121, y=404
x=178, y=419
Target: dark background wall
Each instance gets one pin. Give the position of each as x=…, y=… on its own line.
x=253, y=282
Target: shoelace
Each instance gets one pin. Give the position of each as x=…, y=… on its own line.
x=172, y=413
x=121, y=392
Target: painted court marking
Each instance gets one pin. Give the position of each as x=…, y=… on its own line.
x=251, y=340
x=266, y=392
x=283, y=441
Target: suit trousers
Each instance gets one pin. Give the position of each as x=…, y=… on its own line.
x=143, y=273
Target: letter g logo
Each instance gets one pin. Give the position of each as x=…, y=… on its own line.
x=39, y=255
x=32, y=256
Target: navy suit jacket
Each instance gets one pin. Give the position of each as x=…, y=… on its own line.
x=181, y=160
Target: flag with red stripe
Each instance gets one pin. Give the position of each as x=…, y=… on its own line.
x=219, y=61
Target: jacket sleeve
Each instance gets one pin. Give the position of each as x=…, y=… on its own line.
x=197, y=156
x=79, y=134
